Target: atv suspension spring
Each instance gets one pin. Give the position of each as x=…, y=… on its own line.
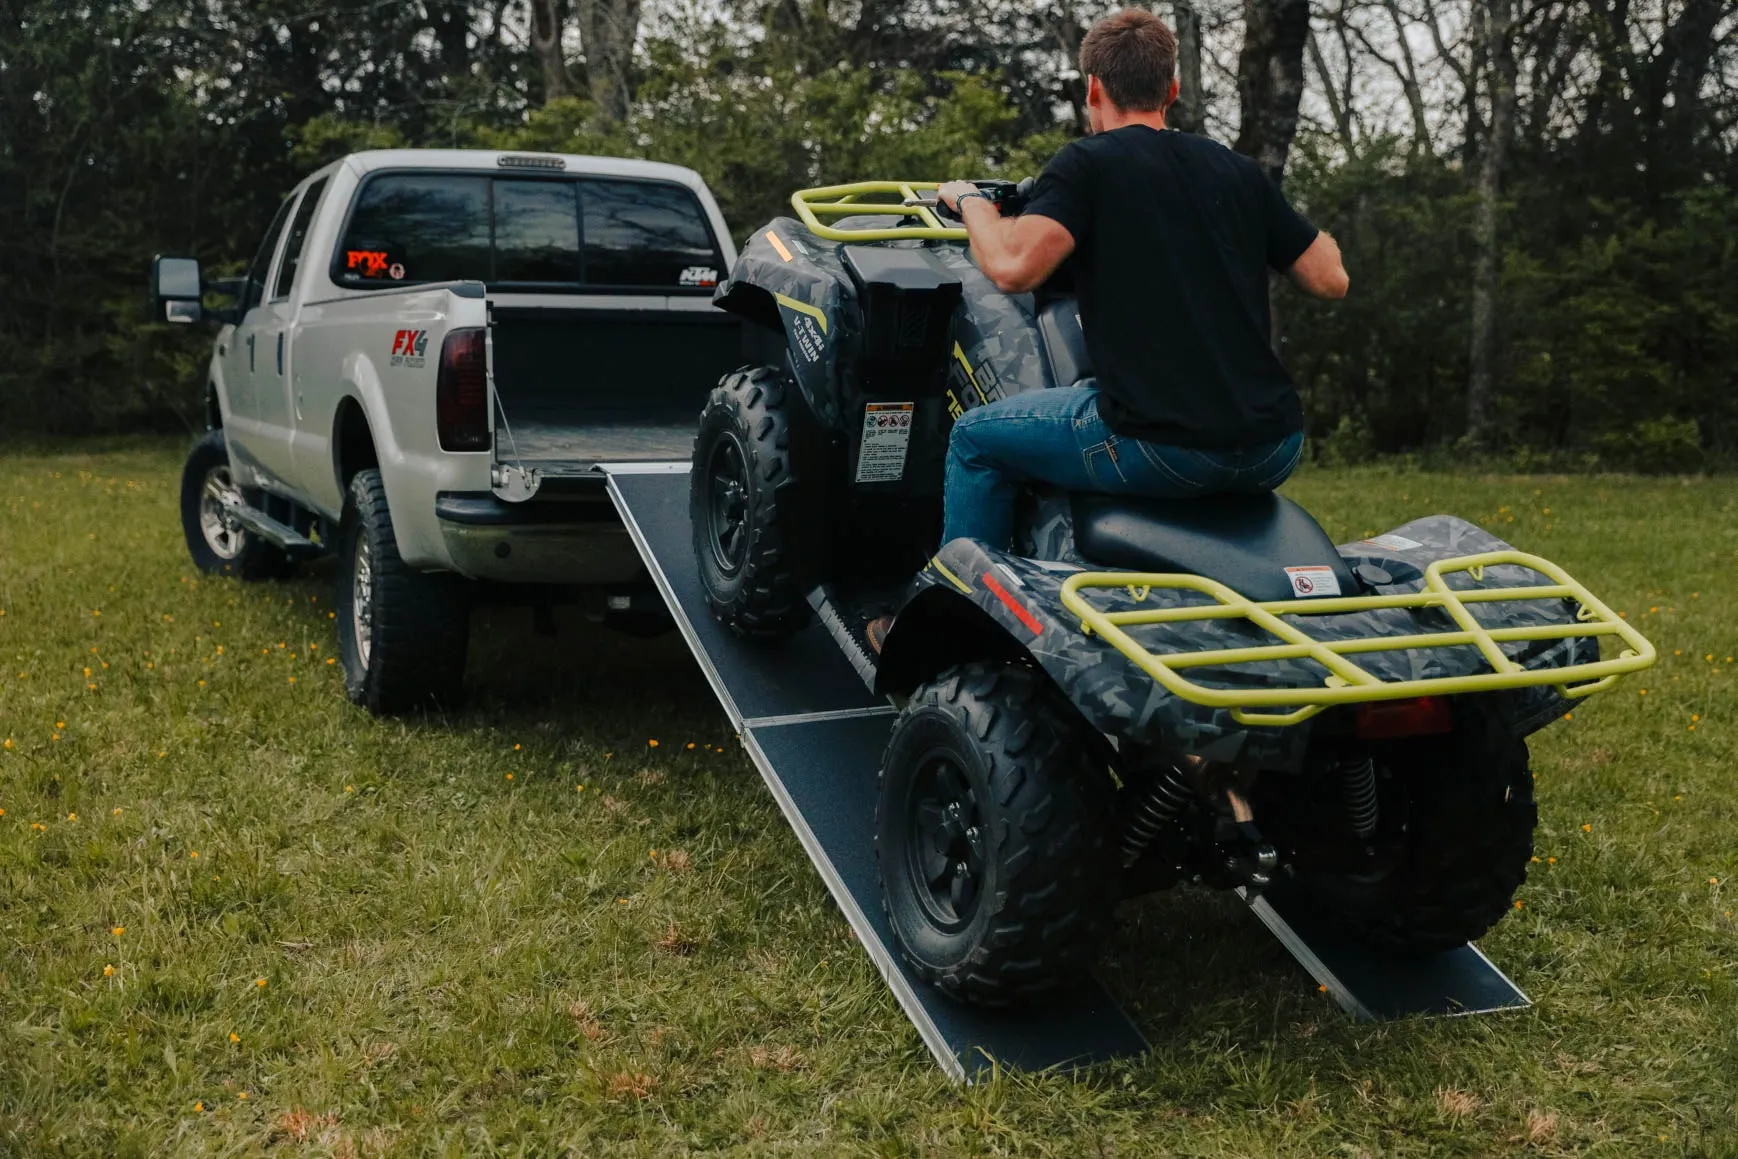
x=1157, y=809
x=1358, y=789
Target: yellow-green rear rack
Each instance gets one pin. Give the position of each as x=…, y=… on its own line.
x=1347, y=682
x=844, y=201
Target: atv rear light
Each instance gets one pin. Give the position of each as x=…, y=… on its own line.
x=462, y=391
x=1393, y=719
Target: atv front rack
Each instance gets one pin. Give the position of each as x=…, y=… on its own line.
x=846, y=201
x=1346, y=682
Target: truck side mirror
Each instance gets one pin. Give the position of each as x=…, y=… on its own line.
x=175, y=290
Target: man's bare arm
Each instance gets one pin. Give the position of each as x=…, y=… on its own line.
x=1016, y=253
x=1319, y=271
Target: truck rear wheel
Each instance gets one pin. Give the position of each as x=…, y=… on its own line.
x=402, y=633
x=993, y=835
x=746, y=507
x=218, y=543
x=1466, y=802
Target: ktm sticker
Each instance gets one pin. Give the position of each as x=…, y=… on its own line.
x=698, y=276
x=1315, y=580
x=367, y=263
x=409, y=349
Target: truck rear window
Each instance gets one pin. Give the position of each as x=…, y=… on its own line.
x=533, y=233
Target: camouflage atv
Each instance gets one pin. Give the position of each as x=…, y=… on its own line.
x=1141, y=693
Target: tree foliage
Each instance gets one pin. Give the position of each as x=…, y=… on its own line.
x=130, y=127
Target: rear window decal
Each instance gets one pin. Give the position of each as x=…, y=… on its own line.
x=368, y=263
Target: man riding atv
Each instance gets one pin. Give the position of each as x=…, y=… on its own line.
x=1103, y=689
x=1171, y=237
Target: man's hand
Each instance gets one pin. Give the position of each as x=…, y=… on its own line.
x=1016, y=253
x=950, y=194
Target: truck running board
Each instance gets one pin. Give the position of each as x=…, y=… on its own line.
x=282, y=535
x=816, y=734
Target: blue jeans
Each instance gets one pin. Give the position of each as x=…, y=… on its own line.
x=1055, y=436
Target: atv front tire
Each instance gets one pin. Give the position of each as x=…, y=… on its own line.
x=218, y=544
x=1468, y=810
x=746, y=505
x=402, y=633
x=994, y=837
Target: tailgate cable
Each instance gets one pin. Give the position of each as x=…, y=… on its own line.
x=513, y=483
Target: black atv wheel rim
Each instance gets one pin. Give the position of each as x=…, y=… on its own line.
x=727, y=504
x=945, y=856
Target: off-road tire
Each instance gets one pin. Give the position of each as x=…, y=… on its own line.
x=248, y=556
x=1469, y=817
x=759, y=591
x=1045, y=814
x=419, y=622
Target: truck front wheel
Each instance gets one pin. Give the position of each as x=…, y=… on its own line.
x=402, y=633
x=217, y=542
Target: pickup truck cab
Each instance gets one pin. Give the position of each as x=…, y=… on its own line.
x=427, y=358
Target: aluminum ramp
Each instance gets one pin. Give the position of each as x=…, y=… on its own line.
x=816, y=734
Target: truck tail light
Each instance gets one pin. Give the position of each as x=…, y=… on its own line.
x=1393, y=719
x=462, y=391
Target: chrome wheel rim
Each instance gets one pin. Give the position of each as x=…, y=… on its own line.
x=217, y=500
x=362, y=599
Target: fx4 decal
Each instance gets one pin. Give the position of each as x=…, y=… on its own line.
x=409, y=349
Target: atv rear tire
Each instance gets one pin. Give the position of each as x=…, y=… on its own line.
x=219, y=545
x=402, y=633
x=746, y=507
x=1469, y=818
x=993, y=835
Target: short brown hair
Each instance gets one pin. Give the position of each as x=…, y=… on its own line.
x=1133, y=55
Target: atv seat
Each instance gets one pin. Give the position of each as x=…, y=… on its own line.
x=1064, y=341
x=1246, y=542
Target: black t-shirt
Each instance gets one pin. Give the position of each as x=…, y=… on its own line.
x=1173, y=238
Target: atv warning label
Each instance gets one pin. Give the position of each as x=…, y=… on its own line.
x=1315, y=580
x=1393, y=542
x=886, y=434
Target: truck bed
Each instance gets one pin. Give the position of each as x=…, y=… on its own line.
x=585, y=385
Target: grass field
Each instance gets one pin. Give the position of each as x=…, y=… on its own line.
x=237, y=914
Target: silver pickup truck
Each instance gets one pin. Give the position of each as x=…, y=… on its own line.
x=421, y=368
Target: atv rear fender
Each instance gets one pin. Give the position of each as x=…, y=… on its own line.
x=1023, y=599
